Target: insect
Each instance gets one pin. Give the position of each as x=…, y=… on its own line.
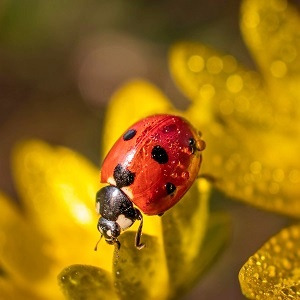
x=149, y=168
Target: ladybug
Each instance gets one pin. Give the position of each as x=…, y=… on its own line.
x=149, y=168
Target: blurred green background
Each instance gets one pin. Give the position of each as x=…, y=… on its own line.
x=60, y=61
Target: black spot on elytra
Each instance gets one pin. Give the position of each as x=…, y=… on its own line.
x=159, y=154
x=170, y=188
x=123, y=176
x=192, y=145
x=129, y=134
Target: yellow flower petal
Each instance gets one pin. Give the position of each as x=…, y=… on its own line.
x=271, y=30
x=274, y=271
x=11, y=291
x=184, y=228
x=260, y=168
x=140, y=273
x=86, y=282
x=59, y=188
x=192, y=237
x=133, y=101
x=250, y=158
x=221, y=90
x=21, y=246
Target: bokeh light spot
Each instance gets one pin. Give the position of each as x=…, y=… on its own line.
x=255, y=167
x=278, y=69
x=196, y=63
x=207, y=91
x=234, y=83
x=214, y=65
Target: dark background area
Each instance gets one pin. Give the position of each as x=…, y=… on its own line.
x=60, y=61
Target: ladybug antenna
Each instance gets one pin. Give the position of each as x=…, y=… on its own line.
x=96, y=247
x=138, y=243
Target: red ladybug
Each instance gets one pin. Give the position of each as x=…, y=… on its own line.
x=152, y=165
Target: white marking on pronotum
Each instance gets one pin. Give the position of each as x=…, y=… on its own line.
x=124, y=222
x=127, y=191
x=97, y=207
x=108, y=232
x=111, y=181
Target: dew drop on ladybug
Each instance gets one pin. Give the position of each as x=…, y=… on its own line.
x=148, y=170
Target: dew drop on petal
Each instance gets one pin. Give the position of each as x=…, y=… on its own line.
x=234, y=83
x=214, y=65
x=255, y=167
x=278, y=69
x=196, y=63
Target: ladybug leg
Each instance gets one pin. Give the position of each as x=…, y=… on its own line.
x=138, y=236
x=118, y=244
x=95, y=249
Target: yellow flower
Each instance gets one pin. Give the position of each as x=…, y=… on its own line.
x=271, y=31
x=251, y=124
x=55, y=228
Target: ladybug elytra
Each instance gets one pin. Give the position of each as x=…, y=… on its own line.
x=149, y=168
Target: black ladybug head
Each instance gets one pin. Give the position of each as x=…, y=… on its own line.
x=117, y=214
x=109, y=229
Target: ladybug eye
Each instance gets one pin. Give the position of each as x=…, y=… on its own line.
x=192, y=145
x=129, y=134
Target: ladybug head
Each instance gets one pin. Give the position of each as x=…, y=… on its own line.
x=117, y=214
x=110, y=230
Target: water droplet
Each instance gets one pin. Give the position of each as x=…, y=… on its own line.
x=169, y=128
x=214, y=65
x=196, y=63
x=234, y=83
x=278, y=69
x=277, y=249
x=255, y=167
x=185, y=175
x=271, y=271
x=286, y=264
x=294, y=176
